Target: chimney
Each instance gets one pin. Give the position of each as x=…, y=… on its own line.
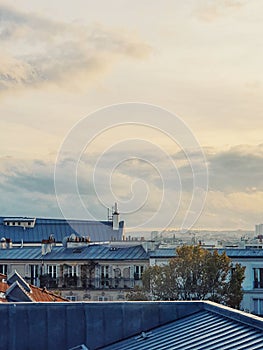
x=3, y=243
x=47, y=245
x=9, y=243
x=115, y=218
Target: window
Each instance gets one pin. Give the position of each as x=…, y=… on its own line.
x=34, y=274
x=52, y=271
x=102, y=298
x=3, y=269
x=138, y=271
x=71, y=270
x=105, y=275
x=117, y=273
x=105, y=271
x=71, y=297
x=258, y=307
x=258, y=277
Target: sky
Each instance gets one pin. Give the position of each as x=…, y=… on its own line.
x=156, y=105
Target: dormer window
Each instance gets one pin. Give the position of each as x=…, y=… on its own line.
x=21, y=222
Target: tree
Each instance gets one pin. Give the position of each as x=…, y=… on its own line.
x=196, y=274
x=235, y=293
x=137, y=294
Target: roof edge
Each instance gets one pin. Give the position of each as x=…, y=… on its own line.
x=234, y=314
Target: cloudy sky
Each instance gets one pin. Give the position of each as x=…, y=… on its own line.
x=200, y=61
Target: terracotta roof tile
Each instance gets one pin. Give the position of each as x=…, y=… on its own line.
x=38, y=294
x=3, y=286
x=41, y=294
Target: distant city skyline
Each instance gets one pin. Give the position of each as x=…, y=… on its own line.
x=201, y=60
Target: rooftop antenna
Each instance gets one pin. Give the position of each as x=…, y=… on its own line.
x=109, y=215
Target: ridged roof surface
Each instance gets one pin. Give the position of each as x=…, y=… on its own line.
x=94, y=252
x=99, y=231
x=201, y=331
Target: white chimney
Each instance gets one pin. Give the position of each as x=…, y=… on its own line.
x=3, y=243
x=47, y=245
x=115, y=218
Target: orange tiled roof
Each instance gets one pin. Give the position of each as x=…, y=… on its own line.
x=2, y=277
x=41, y=294
x=38, y=294
x=3, y=286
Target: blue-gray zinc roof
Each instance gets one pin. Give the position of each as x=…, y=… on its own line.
x=91, y=252
x=232, y=253
x=25, y=253
x=201, y=331
x=163, y=253
x=240, y=253
x=97, y=252
x=99, y=231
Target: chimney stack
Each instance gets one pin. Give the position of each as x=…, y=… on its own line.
x=47, y=245
x=115, y=218
x=3, y=243
x=9, y=243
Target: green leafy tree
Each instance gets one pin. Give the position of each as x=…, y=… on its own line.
x=234, y=293
x=196, y=274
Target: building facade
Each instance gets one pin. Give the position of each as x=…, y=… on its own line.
x=79, y=270
x=82, y=270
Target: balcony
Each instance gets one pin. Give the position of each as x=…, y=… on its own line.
x=48, y=281
x=114, y=283
x=70, y=281
x=75, y=282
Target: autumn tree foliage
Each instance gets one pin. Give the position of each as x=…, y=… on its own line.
x=195, y=274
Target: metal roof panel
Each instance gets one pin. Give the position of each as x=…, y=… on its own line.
x=90, y=252
x=201, y=331
x=60, y=228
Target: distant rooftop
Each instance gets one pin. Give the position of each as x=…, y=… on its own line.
x=231, y=252
x=34, y=230
x=106, y=251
